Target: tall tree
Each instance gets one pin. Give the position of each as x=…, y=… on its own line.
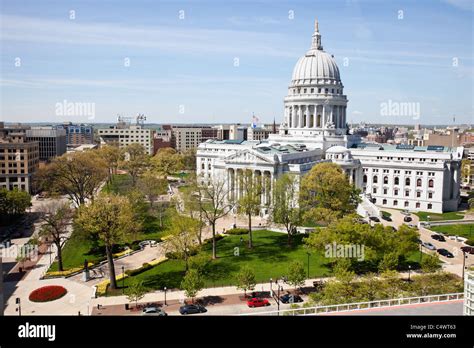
x=215, y=205
x=112, y=156
x=13, y=202
x=152, y=187
x=189, y=159
x=326, y=192
x=296, y=274
x=56, y=218
x=183, y=237
x=193, y=201
x=135, y=292
x=250, y=201
x=136, y=160
x=167, y=161
x=112, y=219
x=286, y=210
x=78, y=175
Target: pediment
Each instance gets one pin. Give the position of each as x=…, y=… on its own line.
x=248, y=156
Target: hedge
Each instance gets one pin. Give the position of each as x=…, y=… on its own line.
x=237, y=231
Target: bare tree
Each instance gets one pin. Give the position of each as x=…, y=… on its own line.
x=56, y=218
x=215, y=204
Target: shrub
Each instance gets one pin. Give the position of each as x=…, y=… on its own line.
x=470, y=242
x=237, y=231
x=47, y=293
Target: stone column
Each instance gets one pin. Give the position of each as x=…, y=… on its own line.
x=323, y=116
x=308, y=116
x=295, y=116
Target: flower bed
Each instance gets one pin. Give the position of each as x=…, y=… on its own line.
x=47, y=293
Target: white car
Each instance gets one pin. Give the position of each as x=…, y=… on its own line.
x=428, y=246
x=154, y=311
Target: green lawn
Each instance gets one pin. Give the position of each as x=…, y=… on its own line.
x=462, y=230
x=269, y=259
x=386, y=213
x=452, y=215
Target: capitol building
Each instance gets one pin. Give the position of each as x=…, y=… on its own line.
x=314, y=130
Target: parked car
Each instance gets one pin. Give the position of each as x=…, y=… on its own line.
x=260, y=294
x=386, y=217
x=290, y=298
x=192, y=309
x=438, y=237
x=412, y=226
x=374, y=218
x=407, y=219
x=154, y=311
x=445, y=253
x=257, y=302
x=468, y=249
x=428, y=246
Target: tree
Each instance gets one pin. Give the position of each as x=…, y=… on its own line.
x=250, y=201
x=135, y=292
x=189, y=159
x=391, y=284
x=56, y=218
x=167, y=161
x=112, y=156
x=286, y=210
x=389, y=262
x=111, y=219
x=78, y=175
x=246, y=279
x=430, y=263
x=13, y=203
x=182, y=238
x=192, y=283
x=193, y=201
x=296, y=274
x=325, y=193
x=152, y=187
x=136, y=160
x=215, y=205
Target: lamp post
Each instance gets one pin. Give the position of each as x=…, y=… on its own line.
x=278, y=300
x=18, y=302
x=409, y=270
x=464, y=257
x=165, y=296
x=308, y=261
x=421, y=252
x=123, y=279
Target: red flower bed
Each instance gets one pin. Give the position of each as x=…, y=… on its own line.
x=47, y=293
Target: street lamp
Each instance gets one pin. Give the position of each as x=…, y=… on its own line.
x=271, y=292
x=123, y=279
x=165, y=296
x=308, y=261
x=464, y=257
x=409, y=270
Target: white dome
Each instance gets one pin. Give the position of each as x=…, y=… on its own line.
x=337, y=149
x=315, y=65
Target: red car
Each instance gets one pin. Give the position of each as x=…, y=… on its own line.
x=258, y=302
x=467, y=249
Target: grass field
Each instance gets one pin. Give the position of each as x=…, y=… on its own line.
x=462, y=230
x=269, y=259
x=120, y=184
x=453, y=215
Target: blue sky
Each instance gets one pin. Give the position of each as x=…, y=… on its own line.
x=182, y=69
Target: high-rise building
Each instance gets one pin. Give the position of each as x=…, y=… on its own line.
x=77, y=134
x=52, y=141
x=189, y=137
x=125, y=134
x=19, y=159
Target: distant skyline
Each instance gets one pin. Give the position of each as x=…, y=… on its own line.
x=213, y=62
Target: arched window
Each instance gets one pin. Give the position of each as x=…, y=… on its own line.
x=407, y=181
x=395, y=203
x=385, y=179
x=418, y=182
x=364, y=179
x=397, y=181
x=375, y=179
x=430, y=183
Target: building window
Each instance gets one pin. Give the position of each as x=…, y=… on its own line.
x=406, y=204
x=364, y=179
x=395, y=192
x=431, y=183
x=418, y=194
x=385, y=179
x=375, y=179
x=418, y=182
x=384, y=191
x=407, y=181
x=407, y=193
x=395, y=203
x=374, y=190
x=430, y=194
x=430, y=206
x=397, y=181
x=418, y=204
x=384, y=201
